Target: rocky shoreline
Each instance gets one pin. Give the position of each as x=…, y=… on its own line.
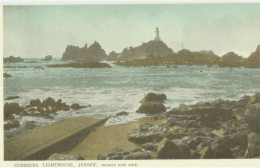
x=221, y=129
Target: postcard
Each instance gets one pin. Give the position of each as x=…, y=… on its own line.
x=131, y=85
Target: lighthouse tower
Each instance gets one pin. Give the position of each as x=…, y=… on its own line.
x=157, y=37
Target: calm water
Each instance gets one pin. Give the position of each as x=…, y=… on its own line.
x=116, y=89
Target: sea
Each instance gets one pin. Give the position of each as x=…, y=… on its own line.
x=117, y=89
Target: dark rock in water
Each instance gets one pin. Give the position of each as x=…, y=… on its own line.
x=253, y=148
x=38, y=67
x=57, y=156
x=11, y=108
x=150, y=97
x=123, y=113
x=6, y=75
x=36, y=102
x=138, y=156
x=48, y=102
x=30, y=124
x=170, y=150
x=252, y=115
x=12, y=97
x=151, y=108
x=11, y=125
x=12, y=59
x=76, y=106
x=48, y=58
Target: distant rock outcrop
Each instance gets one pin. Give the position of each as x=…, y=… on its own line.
x=93, y=53
x=154, y=48
x=231, y=59
x=12, y=59
x=48, y=58
x=253, y=61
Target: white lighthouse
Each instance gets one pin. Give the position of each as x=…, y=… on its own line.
x=157, y=37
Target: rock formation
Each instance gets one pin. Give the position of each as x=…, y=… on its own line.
x=231, y=59
x=84, y=54
x=153, y=47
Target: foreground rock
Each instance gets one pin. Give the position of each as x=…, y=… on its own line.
x=57, y=156
x=135, y=154
x=81, y=65
x=152, y=104
x=12, y=59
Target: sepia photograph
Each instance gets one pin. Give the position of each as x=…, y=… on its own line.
x=130, y=82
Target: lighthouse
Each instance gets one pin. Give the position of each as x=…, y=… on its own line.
x=157, y=37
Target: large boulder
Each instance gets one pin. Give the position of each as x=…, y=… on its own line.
x=30, y=124
x=252, y=115
x=253, y=148
x=10, y=109
x=57, y=156
x=150, y=97
x=171, y=150
x=48, y=58
x=151, y=108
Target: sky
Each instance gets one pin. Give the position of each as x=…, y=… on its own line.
x=34, y=31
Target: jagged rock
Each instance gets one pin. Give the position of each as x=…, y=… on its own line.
x=57, y=156
x=11, y=125
x=150, y=97
x=93, y=53
x=253, y=148
x=152, y=146
x=170, y=150
x=12, y=59
x=12, y=97
x=30, y=124
x=151, y=108
x=176, y=132
x=252, y=115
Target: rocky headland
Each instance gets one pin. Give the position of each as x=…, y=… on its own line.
x=186, y=57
